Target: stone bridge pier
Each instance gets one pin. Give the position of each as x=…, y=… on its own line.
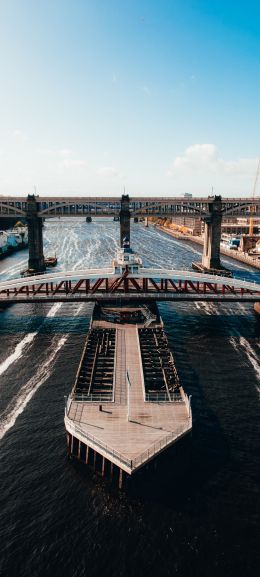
x=35, y=237
x=124, y=218
x=212, y=235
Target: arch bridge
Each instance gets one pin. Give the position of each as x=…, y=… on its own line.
x=107, y=286
x=51, y=206
x=211, y=210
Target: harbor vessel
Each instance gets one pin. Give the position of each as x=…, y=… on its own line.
x=127, y=405
x=13, y=240
x=49, y=261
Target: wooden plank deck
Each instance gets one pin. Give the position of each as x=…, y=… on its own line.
x=148, y=422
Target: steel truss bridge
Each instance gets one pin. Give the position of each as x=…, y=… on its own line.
x=139, y=206
x=149, y=284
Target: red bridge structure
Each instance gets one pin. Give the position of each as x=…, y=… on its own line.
x=146, y=284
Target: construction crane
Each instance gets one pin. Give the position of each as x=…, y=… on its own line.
x=253, y=208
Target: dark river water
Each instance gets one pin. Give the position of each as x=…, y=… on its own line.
x=56, y=517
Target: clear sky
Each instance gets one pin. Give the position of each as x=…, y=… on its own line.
x=159, y=96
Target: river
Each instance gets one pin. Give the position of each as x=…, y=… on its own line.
x=59, y=519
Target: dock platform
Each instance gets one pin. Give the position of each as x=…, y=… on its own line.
x=127, y=405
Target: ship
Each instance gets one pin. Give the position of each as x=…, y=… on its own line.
x=13, y=240
x=127, y=405
x=49, y=261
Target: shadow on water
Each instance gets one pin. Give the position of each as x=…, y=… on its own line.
x=180, y=472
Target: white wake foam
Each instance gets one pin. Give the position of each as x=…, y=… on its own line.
x=18, y=351
x=21, y=400
x=53, y=310
x=252, y=356
x=26, y=392
x=25, y=342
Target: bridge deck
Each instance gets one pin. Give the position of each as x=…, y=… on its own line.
x=148, y=424
x=108, y=285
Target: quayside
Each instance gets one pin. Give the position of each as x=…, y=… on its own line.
x=127, y=405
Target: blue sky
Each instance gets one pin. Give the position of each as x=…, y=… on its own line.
x=159, y=96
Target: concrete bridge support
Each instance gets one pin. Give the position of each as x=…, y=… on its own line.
x=124, y=217
x=212, y=235
x=35, y=240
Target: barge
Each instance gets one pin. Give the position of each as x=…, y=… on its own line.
x=127, y=405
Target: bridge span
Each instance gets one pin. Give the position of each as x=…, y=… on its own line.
x=67, y=206
x=211, y=210
x=145, y=285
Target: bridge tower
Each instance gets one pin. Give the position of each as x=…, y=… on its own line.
x=212, y=235
x=35, y=240
x=124, y=217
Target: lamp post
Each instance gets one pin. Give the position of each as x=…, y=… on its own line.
x=128, y=395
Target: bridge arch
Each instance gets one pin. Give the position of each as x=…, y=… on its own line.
x=239, y=207
x=9, y=208
x=159, y=210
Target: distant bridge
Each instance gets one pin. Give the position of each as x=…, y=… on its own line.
x=51, y=206
x=148, y=284
x=211, y=210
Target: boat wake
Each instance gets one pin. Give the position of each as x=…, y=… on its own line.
x=25, y=342
x=251, y=355
x=28, y=390
x=21, y=400
x=17, y=352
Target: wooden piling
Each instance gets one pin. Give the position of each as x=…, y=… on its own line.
x=120, y=481
x=111, y=471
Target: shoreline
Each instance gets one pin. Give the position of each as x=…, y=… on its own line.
x=199, y=240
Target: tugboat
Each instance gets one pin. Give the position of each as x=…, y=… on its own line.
x=50, y=261
x=126, y=258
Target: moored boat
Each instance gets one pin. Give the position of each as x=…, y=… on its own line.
x=50, y=261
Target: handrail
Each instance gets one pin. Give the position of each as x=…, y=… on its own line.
x=102, y=445
x=109, y=273
x=133, y=463
x=159, y=445
x=165, y=397
x=93, y=397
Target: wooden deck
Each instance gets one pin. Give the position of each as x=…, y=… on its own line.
x=129, y=431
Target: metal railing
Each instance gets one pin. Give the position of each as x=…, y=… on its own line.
x=93, y=398
x=159, y=445
x=145, y=456
x=163, y=397
x=102, y=445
